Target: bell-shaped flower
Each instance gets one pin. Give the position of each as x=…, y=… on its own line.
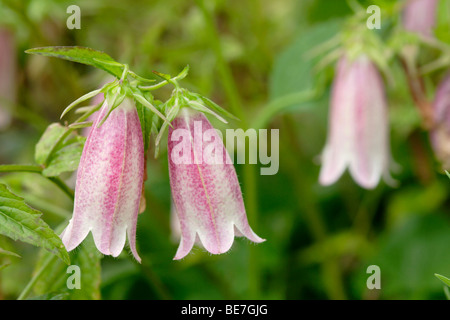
x=358, y=136
x=109, y=182
x=419, y=16
x=440, y=133
x=7, y=76
x=205, y=188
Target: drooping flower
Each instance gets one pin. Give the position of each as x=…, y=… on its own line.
x=440, y=134
x=109, y=183
x=7, y=76
x=419, y=16
x=205, y=188
x=358, y=136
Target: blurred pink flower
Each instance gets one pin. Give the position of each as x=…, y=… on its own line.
x=207, y=195
x=419, y=16
x=7, y=76
x=358, y=136
x=109, y=183
x=440, y=134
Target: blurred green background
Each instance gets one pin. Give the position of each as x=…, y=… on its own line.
x=249, y=56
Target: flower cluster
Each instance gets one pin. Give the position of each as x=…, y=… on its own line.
x=207, y=196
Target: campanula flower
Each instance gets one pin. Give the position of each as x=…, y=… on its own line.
x=358, y=136
x=109, y=182
x=205, y=188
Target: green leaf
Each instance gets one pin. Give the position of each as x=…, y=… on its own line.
x=443, y=279
x=145, y=117
x=409, y=253
x=4, y=265
x=20, y=222
x=65, y=158
x=295, y=82
x=55, y=276
x=52, y=135
x=83, y=55
x=59, y=150
x=443, y=21
x=211, y=104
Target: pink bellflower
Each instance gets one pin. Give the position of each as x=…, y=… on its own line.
x=358, y=137
x=419, y=16
x=440, y=134
x=109, y=183
x=205, y=189
x=7, y=76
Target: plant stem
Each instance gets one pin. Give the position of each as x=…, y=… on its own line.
x=330, y=268
x=417, y=89
x=37, y=169
x=20, y=168
x=35, y=278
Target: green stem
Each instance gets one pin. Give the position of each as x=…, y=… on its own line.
x=20, y=168
x=37, y=169
x=64, y=187
x=160, y=289
x=330, y=268
x=35, y=278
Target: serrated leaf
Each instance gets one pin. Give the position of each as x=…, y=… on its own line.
x=83, y=55
x=55, y=276
x=18, y=221
x=47, y=142
x=443, y=279
x=65, y=158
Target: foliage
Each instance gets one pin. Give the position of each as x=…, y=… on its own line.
x=271, y=65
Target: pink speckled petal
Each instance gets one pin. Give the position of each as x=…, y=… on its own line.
x=109, y=183
x=207, y=197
